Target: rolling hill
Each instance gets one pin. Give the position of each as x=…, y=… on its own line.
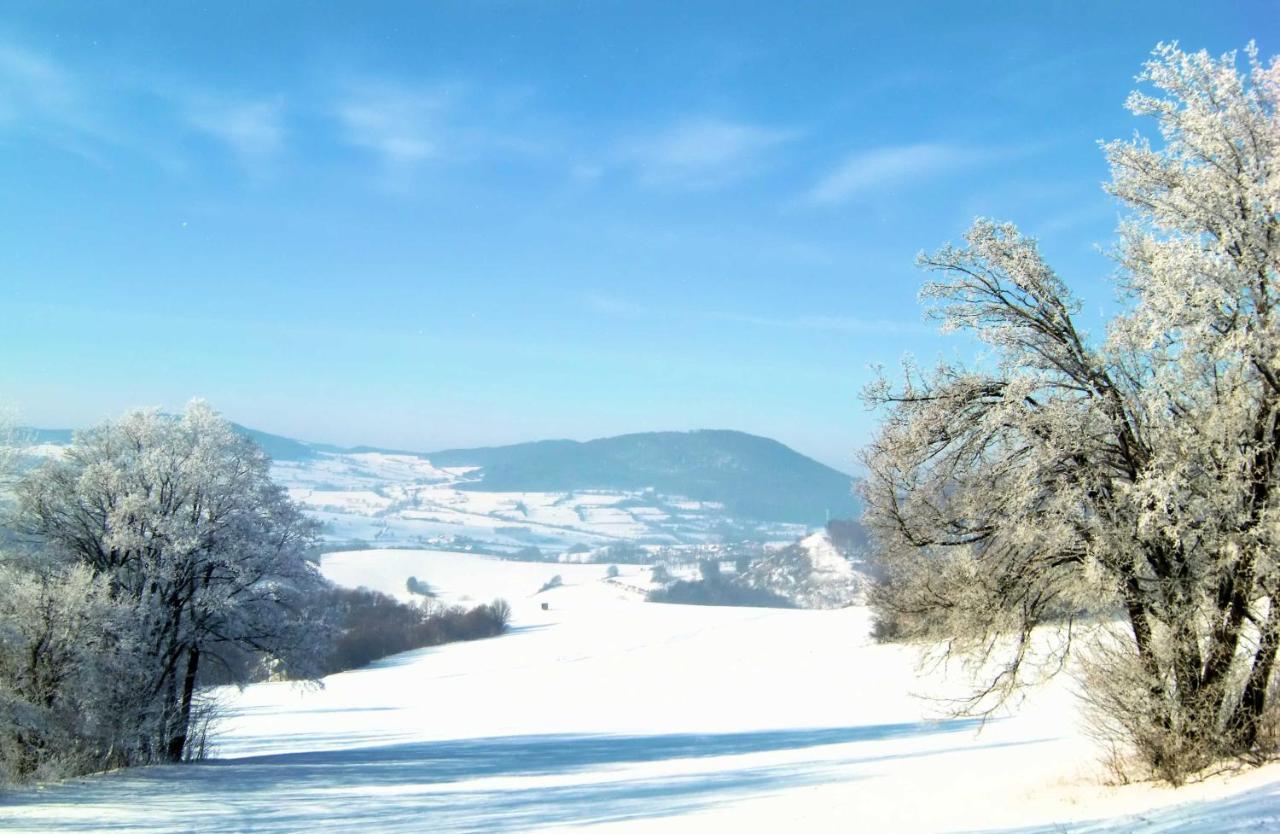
x=752, y=477
x=658, y=487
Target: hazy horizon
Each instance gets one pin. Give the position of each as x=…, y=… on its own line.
x=462, y=225
x=846, y=468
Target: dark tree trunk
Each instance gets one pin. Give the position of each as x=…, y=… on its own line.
x=178, y=741
x=1226, y=638
x=1140, y=623
x=1248, y=713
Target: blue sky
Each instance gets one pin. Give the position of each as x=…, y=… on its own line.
x=456, y=223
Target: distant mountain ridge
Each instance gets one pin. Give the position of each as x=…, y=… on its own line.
x=751, y=476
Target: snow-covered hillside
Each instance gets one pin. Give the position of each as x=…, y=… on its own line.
x=609, y=712
x=550, y=495
x=403, y=500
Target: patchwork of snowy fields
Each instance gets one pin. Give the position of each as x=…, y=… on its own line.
x=403, y=500
x=390, y=499
x=606, y=711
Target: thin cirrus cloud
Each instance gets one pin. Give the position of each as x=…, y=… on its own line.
x=43, y=98
x=31, y=83
x=398, y=125
x=702, y=152
x=406, y=126
x=40, y=97
x=253, y=130
x=889, y=166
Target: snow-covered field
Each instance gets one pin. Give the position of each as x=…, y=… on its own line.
x=389, y=499
x=403, y=500
x=606, y=711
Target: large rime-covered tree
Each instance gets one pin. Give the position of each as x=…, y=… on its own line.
x=1139, y=475
x=198, y=550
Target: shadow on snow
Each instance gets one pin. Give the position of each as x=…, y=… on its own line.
x=429, y=785
x=1252, y=811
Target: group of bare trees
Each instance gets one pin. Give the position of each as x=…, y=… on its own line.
x=1135, y=479
x=149, y=549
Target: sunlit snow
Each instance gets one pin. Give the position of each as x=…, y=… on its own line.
x=606, y=711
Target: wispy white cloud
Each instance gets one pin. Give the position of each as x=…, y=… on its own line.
x=30, y=80
x=40, y=96
x=402, y=126
x=73, y=110
x=406, y=126
x=889, y=166
x=702, y=152
x=253, y=130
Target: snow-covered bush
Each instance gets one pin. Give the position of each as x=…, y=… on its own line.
x=60, y=665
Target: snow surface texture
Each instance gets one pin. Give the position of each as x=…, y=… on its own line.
x=609, y=712
x=812, y=573
x=403, y=500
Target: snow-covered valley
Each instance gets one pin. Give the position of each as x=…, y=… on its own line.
x=389, y=499
x=632, y=416
x=364, y=497
x=602, y=710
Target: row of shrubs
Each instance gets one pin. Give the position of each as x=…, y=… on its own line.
x=364, y=626
x=727, y=593
x=375, y=625
x=713, y=588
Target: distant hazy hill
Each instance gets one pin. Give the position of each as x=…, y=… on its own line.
x=55, y=437
x=752, y=476
x=279, y=448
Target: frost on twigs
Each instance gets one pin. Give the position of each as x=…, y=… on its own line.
x=1135, y=479
x=158, y=549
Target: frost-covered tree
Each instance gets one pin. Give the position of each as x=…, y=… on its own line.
x=179, y=518
x=60, y=684
x=1139, y=475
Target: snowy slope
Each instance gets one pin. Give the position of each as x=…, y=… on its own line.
x=606, y=711
x=812, y=573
